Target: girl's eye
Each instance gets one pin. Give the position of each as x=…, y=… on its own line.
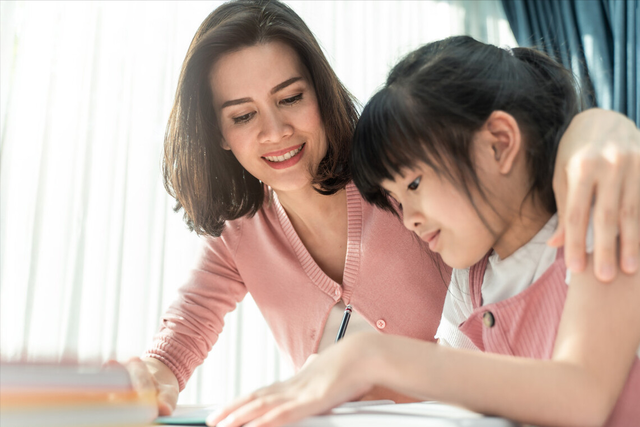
x=414, y=184
x=292, y=100
x=243, y=119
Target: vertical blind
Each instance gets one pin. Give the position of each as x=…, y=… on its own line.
x=91, y=252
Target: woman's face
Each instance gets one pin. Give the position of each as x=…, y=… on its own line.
x=441, y=215
x=268, y=114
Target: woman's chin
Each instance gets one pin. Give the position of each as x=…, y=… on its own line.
x=291, y=185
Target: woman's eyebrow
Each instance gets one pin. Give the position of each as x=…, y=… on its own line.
x=235, y=102
x=284, y=84
x=276, y=88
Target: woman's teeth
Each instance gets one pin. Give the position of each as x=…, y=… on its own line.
x=285, y=156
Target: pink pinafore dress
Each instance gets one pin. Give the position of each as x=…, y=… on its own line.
x=526, y=325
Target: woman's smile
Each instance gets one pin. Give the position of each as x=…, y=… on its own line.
x=283, y=159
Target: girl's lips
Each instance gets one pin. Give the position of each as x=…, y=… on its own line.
x=431, y=239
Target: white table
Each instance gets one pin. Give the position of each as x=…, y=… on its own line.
x=358, y=414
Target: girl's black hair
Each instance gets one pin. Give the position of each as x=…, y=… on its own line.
x=438, y=96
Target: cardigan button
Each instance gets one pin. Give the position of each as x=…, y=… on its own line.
x=381, y=324
x=337, y=293
x=488, y=319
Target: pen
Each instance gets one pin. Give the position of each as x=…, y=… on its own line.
x=345, y=322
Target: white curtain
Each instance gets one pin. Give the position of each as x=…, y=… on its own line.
x=91, y=252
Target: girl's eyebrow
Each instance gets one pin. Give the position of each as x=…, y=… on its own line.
x=276, y=89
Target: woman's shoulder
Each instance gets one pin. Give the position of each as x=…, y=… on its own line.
x=260, y=225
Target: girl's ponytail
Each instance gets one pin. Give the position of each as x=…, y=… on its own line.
x=557, y=102
x=552, y=77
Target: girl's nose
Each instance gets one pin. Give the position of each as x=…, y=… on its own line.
x=274, y=127
x=412, y=218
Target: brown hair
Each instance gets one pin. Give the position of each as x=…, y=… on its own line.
x=208, y=181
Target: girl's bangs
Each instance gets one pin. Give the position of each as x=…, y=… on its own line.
x=386, y=142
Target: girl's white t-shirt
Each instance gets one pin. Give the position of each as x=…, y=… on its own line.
x=503, y=278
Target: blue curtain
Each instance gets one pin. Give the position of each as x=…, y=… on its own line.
x=596, y=39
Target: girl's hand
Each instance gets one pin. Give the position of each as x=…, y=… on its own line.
x=153, y=375
x=607, y=167
x=337, y=375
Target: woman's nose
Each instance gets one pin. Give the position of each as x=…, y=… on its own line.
x=274, y=128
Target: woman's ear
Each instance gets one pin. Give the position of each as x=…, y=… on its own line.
x=224, y=144
x=504, y=139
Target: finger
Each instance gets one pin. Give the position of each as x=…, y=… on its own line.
x=630, y=223
x=167, y=399
x=250, y=411
x=557, y=239
x=287, y=413
x=215, y=417
x=560, y=194
x=111, y=363
x=580, y=189
x=605, y=229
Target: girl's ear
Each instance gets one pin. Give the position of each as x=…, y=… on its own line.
x=224, y=144
x=504, y=139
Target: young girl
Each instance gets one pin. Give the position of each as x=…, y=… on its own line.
x=463, y=137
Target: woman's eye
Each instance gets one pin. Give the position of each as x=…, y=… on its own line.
x=414, y=184
x=243, y=119
x=292, y=100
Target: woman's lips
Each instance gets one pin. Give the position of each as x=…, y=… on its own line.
x=283, y=151
x=278, y=159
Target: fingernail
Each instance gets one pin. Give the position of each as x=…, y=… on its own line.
x=630, y=264
x=211, y=417
x=607, y=272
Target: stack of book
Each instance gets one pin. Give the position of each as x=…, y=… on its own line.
x=54, y=395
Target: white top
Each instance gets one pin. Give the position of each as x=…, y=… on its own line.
x=503, y=279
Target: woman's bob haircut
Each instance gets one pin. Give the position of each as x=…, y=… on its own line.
x=206, y=180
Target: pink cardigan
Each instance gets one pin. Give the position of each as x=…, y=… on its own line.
x=389, y=278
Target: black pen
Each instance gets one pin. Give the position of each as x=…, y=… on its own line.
x=345, y=322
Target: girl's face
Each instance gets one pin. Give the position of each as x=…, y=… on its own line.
x=268, y=114
x=441, y=215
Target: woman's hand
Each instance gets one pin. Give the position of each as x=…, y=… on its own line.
x=152, y=374
x=599, y=155
x=339, y=374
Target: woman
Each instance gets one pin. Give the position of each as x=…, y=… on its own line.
x=256, y=153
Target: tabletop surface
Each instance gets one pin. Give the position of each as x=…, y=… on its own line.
x=363, y=414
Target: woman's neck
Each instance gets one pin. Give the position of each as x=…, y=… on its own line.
x=322, y=225
x=310, y=211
